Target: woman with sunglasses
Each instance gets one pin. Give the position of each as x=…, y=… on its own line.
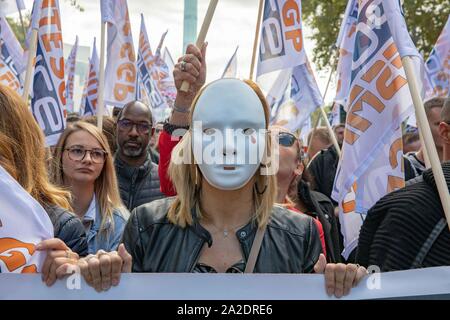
x=83, y=164
x=295, y=194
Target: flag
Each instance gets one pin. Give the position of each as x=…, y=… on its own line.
x=345, y=43
x=11, y=6
x=70, y=75
x=49, y=88
x=167, y=57
x=120, y=71
x=379, y=100
x=306, y=129
x=148, y=75
x=90, y=94
x=278, y=93
x=23, y=224
x=438, y=66
x=281, y=44
x=231, y=67
x=11, y=59
x=305, y=93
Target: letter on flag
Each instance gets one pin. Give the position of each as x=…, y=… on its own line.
x=120, y=71
x=49, y=88
x=147, y=73
x=90, y=93
x=379, y=100
x=70, y=74
x=23, y=224
x=437, y=66
x=281, y=44
x=12, y=58
x=231, y=67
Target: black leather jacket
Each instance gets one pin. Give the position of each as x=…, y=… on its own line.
x=291, y=243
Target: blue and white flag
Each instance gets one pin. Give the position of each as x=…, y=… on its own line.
x=148, y=75
x=49, y=87
x=23, y=224
x=230, y=70
x=281, y=45
x=12, y=60
x=371, y=164
x=279, y=94
x=70, y=75
x=90, y=94
x=438, y=66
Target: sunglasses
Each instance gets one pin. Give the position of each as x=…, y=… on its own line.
x=127, y=125
x=286, y=139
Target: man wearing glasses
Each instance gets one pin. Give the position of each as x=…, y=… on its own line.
x=137, y=174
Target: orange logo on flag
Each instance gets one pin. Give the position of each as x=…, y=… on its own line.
x=13, y=254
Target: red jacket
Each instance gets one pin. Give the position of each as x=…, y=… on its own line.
x=166, y=144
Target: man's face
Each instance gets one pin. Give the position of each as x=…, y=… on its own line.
x=134, y=130
x=434, y=118
x=339, y=131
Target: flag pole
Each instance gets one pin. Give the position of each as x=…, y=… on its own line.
x=30, y=63
x=429, y=146
x=255, y=41
x=202, y=34
x=21, y=21
x=101, y=78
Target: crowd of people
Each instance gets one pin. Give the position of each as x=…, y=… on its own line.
x=123, y=199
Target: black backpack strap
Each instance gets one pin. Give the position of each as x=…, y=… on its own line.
x=426, y=247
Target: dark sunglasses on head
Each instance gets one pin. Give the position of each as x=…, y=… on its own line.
x=286, y=139
x=141, y=127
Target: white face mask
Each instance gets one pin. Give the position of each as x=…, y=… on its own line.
x=228, y=133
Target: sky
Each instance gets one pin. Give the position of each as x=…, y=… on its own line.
x=233, y=25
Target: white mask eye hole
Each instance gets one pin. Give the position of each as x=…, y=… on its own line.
x=209, y=131
x=248, y=131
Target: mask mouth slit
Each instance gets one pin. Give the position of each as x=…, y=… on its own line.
x=229, y=168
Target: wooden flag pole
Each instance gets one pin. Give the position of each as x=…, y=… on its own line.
x=330, y=130
x=202, y=34
x=429, y=145
x=30, y=64
x=101, y=79
x=255, y=41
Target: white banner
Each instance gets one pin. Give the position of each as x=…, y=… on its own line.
x=49, y=87
x=281, y=45
x=420, y=283
x=23, y=224
x=120, y=71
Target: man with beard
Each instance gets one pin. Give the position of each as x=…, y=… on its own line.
x=136, y=173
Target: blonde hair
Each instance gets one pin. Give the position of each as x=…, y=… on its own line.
x=106, y=188
x=186, y=178
x=23, y=153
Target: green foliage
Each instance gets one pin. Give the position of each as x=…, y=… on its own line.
x=425, y=20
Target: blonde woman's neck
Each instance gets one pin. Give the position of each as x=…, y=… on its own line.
x=82, y=195
x=226, y=208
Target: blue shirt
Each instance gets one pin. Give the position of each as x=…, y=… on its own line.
x=107, y=239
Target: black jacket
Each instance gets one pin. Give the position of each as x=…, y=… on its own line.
x=323, y=168
x=291, y=243
x=137, y=185
x=398, y=225
x=320, y=207
x=69, y=229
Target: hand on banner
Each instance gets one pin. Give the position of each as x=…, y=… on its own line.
x=59, y=259
x=339, y=278
x=191, y=68
x=103, y=269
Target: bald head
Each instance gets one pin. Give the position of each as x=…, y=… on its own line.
x=445, y=112
x=136, y=109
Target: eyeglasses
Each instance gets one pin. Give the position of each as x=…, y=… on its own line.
x=141, y=127
x=286, y=139
x=79, y=153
